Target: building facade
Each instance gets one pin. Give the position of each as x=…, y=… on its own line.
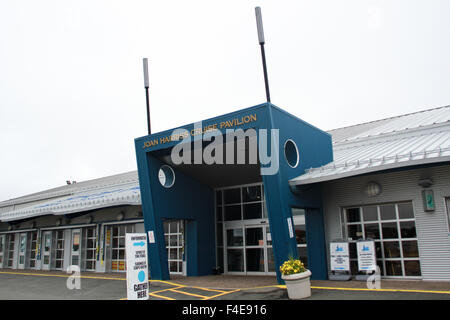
x=386, y=180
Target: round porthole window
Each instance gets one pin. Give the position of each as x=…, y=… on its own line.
x=291, y=153
x=166, y=176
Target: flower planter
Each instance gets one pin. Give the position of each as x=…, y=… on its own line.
x=298, y=285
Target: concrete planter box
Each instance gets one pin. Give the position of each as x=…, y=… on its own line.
x=298, y=285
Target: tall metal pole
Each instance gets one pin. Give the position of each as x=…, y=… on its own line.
x=146, y=85
x=261, y=40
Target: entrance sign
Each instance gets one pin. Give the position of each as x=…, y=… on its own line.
x=137, y=270
x=366, y=255
x=339, y=256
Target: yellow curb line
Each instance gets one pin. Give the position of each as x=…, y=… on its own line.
x=167, y=282
x=381, y=290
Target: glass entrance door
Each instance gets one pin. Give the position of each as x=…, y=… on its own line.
x=22, y=250
x=46, y=249
x=174, y=237
x=10, y=253
x=249, y=250
x=2, y=249
x=75, y=256
x=117, y=234
x=32, y=249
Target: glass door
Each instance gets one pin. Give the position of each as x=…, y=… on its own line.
x=118, y=262
x=255, y=255
x=90, y=248
x=2, y=249
x=46, y=249
x=174, y=237
x=59, y=250
x=22, y=250
x=11, y=242
x=32, y=249
x=75, y=256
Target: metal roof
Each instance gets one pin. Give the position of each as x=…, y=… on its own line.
x=411, y=139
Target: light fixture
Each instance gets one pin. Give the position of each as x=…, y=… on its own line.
x=425, y=183
x=88, y=219
x=373, y=189
x=120, y=216
x=58, y=222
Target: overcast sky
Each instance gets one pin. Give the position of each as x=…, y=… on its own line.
x=71, y=85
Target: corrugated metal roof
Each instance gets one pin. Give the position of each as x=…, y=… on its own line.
x=128, y=194
x=417, y=138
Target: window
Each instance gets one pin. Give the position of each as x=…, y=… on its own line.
x=298, y=216
x=393, y=228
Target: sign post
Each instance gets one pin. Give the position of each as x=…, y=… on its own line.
x=367, y=261
x=339, y=260
x=137, y=269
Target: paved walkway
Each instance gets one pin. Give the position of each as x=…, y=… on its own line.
x=30, y=284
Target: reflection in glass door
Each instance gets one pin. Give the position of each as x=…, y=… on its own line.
x=76, y=247
x=2, y=249
x=255, y=249
x=22, y=250
x=46, y=249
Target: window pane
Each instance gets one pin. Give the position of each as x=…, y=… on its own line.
x=220, y=259
x=412, y=268
x=254, y=237
x=235, y=237
x=352, y=250
x=387, y=212
x=389, y=230
x=253, y=211
x=355, y=231
x=408, y=229
x=370, y=213
x=391, y=249
x=233, y=213
x=232, y=196
x=219, y=213
x=353, y=215
x=250, y=194
x=410, y=249
x=218, y=197
x=300, y=233
x=255, y=259
x=219, y=235
x=394, y=268
x=405, y=211
x=270, y=260
x=372, y=231
x=303, y=255
x=235, y=259
x=378, y=251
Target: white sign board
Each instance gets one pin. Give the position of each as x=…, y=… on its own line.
x=339, y=256
x=151, y=237
x=291, y=231
x=137, y=270
x=366, y=256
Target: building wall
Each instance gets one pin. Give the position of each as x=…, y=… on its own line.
x=432, y=227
